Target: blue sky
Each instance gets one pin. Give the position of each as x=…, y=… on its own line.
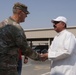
x=41, y=12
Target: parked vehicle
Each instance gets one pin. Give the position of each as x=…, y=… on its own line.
x=40, y=48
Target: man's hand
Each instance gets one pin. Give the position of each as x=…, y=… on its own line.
x=44, y=56
x=25, y=59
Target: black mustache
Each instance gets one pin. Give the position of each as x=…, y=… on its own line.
x=54, y=26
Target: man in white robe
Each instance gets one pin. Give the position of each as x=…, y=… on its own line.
x=62, y=51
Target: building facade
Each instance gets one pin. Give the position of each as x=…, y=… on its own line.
x=43, y=36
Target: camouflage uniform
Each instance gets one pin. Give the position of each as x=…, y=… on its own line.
x=12, y=38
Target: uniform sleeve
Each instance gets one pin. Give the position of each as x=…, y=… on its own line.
x=68, y=48
x=21, y=42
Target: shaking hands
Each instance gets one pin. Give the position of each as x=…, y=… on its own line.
x=44, y=56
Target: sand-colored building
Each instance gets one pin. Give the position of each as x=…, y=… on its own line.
x=43, y=36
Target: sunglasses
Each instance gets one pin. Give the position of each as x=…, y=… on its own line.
x=56, y=22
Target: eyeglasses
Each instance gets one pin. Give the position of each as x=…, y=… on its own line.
x=24, y=13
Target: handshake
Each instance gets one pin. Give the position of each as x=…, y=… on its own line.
x=43, y=57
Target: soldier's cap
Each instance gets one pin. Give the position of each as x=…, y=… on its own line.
x=21, y=7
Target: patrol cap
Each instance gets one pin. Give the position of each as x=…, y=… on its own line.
x=21, y=7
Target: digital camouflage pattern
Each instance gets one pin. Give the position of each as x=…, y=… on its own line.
x=21, y=7
x=12, y=38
